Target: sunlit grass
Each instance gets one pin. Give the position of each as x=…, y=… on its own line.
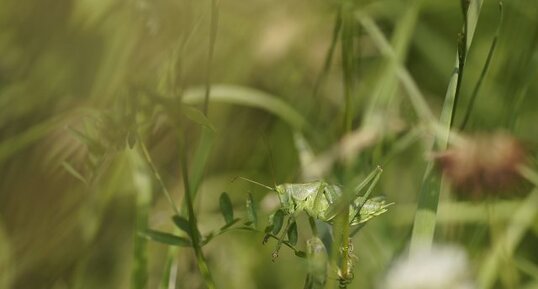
x=122, y=124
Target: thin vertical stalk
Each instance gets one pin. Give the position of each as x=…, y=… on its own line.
x=196, y=244
x=212, y=40
x=433, y=185
x=476, y=89
x=153, y=168
x=341, y=227
x=347, y=46
x=330, y=53
x=142, y=180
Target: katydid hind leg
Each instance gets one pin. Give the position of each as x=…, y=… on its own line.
x=366, y=196
x=320, y=193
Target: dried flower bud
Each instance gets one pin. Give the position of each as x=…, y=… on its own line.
x=483, y=164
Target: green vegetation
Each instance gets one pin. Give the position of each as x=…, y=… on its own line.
x=128, y=128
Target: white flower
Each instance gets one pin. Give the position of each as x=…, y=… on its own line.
x=443, y=267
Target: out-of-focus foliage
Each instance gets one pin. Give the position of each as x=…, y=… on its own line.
x=83, y=82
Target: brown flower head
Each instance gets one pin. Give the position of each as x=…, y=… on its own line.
x=485, y=164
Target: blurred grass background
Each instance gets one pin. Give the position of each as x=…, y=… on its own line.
x=88, y=65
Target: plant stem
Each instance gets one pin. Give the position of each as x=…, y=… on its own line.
x=196, y=244
x=212, y=40
x=341, y=228
x=484, y=70
x=330, y=54
x=156, y=174
x=347, y=45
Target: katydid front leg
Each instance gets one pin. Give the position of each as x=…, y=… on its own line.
x=291, y=219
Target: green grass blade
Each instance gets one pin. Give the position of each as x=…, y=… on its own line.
x=189, y=198
x=433, y=185
x=415, y=95
x=504, y=248
x=72, y=171
x=385, y=85
x=142, y=183
x=250, y=97
x=329, y=55
x=212, y=39
x=485, y=69
x=200, y=159
x=14, y=144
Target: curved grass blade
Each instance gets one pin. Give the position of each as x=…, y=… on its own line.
x=485, y=69
x=245, y=96
x=72, y=171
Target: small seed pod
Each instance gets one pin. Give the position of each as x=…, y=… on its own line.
x=483, y=165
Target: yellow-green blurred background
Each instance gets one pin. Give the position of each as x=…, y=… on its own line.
x=69, y=66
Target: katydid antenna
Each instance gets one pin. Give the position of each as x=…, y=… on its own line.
x=272, y=167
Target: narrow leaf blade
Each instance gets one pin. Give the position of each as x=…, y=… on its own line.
x=72, y=171
x=292, y=234
x=183, y=224
x=196, y=116
x=226, y=208
x=278, y=220
x=166, y=238
x=252, y=214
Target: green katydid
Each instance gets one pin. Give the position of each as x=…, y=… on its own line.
x=321, y=200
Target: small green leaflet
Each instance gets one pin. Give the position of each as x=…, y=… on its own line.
x=252, y=215
x=292, y=234
x=226, y=208
x=278, y=220
x=196, y=116
x=183, y=224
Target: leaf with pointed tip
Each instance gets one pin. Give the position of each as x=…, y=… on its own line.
x=226, y=208
x=292, y=234
x=183, y=224
x=252, y=215
x=196, y=116
x=72, y=171
x=166, y=238
x=278, y=220
x=131, y=138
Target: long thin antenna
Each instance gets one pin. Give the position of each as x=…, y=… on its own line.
x=254, y=182
x=270, y=159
